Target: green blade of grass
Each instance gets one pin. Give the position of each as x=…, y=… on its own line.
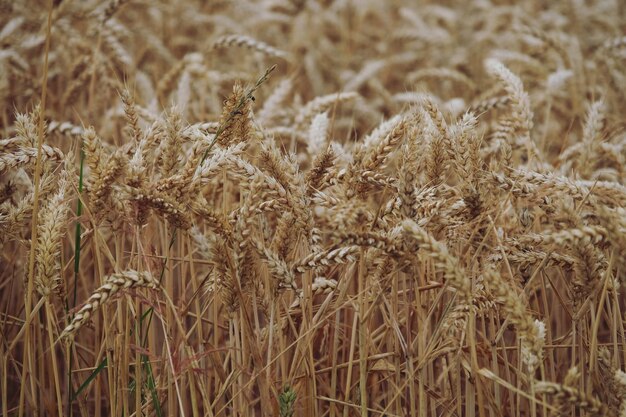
x=150, y=383
x=79, y=211
x=77, y=232
x=90, y=378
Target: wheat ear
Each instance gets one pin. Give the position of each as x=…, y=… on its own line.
x=112, y=285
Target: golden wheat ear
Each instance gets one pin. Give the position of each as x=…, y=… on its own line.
x=112, y=285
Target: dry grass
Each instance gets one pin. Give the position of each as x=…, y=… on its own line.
x=312, y=208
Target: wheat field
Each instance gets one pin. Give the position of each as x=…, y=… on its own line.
x=313, y=208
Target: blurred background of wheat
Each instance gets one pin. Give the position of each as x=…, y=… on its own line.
x=312, y=208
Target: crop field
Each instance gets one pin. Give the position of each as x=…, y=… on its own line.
x=317, y=208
